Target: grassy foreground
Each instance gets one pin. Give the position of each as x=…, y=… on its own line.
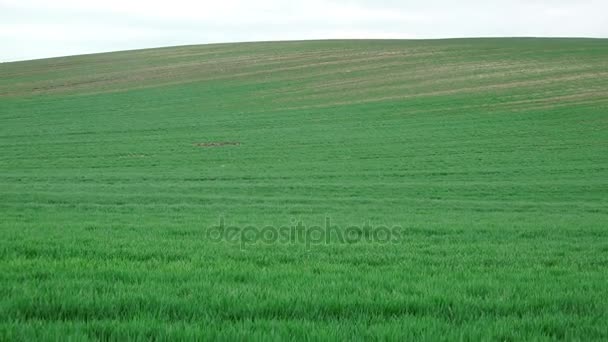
x=484, y=160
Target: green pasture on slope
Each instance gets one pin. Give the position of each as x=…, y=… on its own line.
x=487, y=159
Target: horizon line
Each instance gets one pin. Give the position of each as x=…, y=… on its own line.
x=295, y=41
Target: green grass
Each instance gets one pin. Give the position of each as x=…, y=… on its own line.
x=491, y=155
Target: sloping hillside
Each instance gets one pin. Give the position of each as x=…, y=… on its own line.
x=485, y=159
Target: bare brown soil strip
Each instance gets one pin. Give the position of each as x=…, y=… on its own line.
x=201, y=70
x=481, y=88
x=217, y=144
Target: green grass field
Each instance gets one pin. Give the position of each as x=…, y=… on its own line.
x=486, y=158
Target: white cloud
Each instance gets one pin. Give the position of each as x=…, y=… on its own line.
x=37, y=28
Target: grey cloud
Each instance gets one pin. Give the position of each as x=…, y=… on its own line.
x=30, y=30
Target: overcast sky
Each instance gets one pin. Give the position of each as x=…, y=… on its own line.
x=37, y=28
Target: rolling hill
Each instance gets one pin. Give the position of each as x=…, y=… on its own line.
x=441, y=189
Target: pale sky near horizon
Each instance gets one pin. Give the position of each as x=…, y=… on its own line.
x=31, y=29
